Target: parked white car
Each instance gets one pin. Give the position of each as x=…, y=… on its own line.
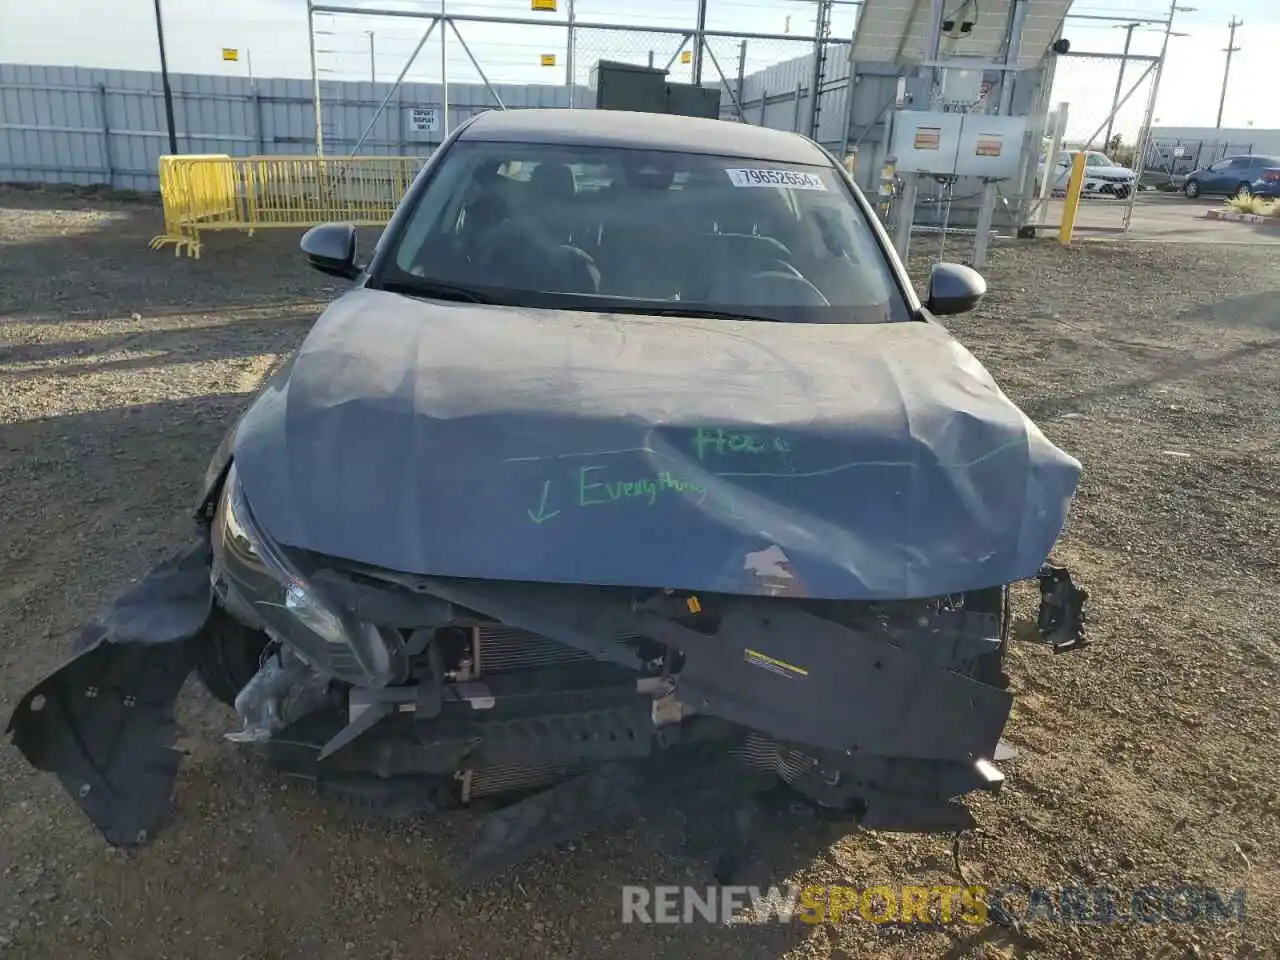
x=1102, y=176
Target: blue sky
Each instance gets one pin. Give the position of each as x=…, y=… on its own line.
x=273, y=33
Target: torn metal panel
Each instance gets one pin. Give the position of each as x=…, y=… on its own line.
x=1061, y=618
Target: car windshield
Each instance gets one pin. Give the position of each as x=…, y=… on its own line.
x=1098, y=160
x=630, y=231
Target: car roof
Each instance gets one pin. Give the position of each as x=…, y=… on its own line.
x=643, y=131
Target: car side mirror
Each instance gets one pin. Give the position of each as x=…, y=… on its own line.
x=331, y=249
x=954, y=288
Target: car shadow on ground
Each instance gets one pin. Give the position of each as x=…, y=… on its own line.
x=1049, y=408
x=66, y=257
x=283, y=327
x=1259, y=311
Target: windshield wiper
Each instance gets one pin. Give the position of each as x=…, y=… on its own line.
x=698, y=312
x=438, y=291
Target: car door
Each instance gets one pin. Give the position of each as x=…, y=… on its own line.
x=1214, y=177
x=1239, y=170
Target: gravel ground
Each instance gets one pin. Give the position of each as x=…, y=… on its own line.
x=1149, y=758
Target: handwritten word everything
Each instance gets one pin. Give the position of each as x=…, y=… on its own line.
x=720, y=442
x=594, y=492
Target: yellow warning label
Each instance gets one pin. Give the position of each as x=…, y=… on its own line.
x=548, y=59
x=773, y=664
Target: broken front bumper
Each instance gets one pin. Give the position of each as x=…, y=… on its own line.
x=888, y=722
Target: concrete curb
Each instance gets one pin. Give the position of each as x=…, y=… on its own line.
x=1236, y=216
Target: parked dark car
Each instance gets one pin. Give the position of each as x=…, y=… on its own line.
x=1229, y=177
x=629, y=465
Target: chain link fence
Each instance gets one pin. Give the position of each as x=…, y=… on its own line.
x=1108, y=110
x=1170, y=159
x=645, y=48
x=759, y=56
x=765, y=81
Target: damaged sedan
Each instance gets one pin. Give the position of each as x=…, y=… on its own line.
x=629, y=460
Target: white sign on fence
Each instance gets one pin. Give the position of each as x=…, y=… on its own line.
x=424, y=119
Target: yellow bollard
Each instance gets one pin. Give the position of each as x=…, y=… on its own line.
x=1072, y=203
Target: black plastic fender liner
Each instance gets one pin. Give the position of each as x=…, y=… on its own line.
x=103, y=722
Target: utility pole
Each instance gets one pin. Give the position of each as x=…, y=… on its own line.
x=1230, y=49
x=164, y=83
x=315, y=78
x=373, y=73
x=571, y=53
x=445, y=23
x=1128, y=29
x=699, y=38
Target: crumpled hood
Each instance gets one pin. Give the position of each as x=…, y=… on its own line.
x=838, y=461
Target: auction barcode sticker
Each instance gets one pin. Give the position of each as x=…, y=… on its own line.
x=794, y=179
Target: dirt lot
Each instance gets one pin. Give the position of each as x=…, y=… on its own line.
x=1151, y=757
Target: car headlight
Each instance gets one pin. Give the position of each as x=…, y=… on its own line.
x=259, y=581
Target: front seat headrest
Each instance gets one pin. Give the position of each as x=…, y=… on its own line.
x=553, y=181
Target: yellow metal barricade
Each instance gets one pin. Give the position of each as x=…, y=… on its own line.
x=192, y=188
x=247, y=193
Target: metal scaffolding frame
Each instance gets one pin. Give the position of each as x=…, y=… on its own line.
x=695, y=35
x=694, y=38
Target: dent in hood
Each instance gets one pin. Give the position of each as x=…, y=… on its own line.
x=842, y=461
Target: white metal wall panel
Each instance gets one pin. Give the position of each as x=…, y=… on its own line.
x=79, y=125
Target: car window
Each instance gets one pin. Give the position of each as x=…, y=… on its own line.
x=1218, y=167
x=1098, y=160
x=1241, y=163
x=618, y=230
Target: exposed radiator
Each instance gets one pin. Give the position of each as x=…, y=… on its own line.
x=505, y=649
x=486, y=782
